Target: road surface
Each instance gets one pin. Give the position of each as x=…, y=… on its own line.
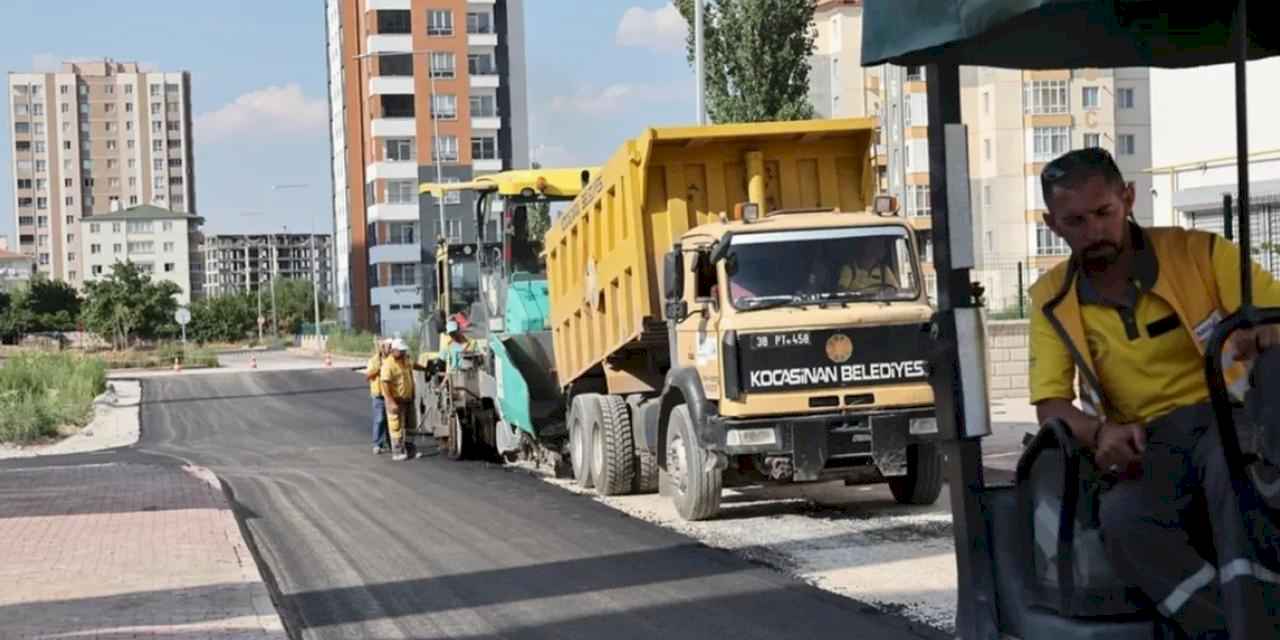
x=359, y=546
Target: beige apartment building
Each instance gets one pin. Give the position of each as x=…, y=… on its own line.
x=87, y=140
x=162, y=243
x=1018, y=120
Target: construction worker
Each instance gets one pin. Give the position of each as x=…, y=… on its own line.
x=1130, y=314
x=458, y=344
x=396, y=379
x=373, y=373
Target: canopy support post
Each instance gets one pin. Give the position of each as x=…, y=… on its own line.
x=1240, y=38
x=976, y=616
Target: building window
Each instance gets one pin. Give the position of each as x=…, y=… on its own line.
x=401, y=150
x=22, y=127
x=445, y=149
x=71, y=257
x=986, y=195
x=402, y=192
x=484, y=107
x=115, y=227
x=142, y=248
x=442, y=64
x=479, y=23
x=42, y=203
x=452, y=197
x=116, y=248
x=484, y=148
x=95, y=249
x=918, y=200
x=915, y=74
x=146, y=267
x=140, y=226
x=439, y=22
x=986, y=148
x=454, y=230
x=1124, y=97
x=167, y=225
x=404, y=274
x=1050, y=142
x=1049, y=243
x=403, y=232
x=481, y=64
x=168, y=267
x=394, y=21
x=155, y=90
x=1127, y=143
x=444, y=107
x=1046, y=96
x=1089, y=97
x=1092, y=140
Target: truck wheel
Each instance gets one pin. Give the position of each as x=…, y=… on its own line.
x=695, y=490
x=923, y=482
x=613, y=450
x=646, y=472
x=457, y=438
x=584, y=411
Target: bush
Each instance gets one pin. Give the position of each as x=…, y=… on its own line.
x=41, y=392
x=159, y=358
x=359, y=343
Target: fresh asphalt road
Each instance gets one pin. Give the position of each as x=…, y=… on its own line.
x=358, y=546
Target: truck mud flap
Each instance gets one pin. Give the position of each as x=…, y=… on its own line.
x=889, y=445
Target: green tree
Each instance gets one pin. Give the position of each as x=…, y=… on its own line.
x=294, y=305
x=756, y=54
x=54, y=304
x=227, y=318
x=127, y=305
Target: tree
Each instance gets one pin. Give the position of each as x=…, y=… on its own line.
x=226, y=318
x=127, y=304
x=756, y=54
x=54, y=304
x=294, y=304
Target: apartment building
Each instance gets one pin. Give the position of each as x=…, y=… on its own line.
x=1017, y=121
x=418, y=89
x=94, y=136
x=16, y=269
x=158, y=240
x=239, y=262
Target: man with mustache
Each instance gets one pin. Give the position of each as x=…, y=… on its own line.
x=1130, y=314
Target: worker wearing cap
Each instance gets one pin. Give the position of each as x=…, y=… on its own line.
x=870, y=268
x=396, y=379
x=373, y=373
x=1130, y=314
x=458, y=345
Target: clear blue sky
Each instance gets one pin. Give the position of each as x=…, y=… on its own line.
x=599, y=71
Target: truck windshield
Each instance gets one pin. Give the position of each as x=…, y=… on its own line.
x=769, y=269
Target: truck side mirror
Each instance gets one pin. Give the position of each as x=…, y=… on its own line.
x=673, y=285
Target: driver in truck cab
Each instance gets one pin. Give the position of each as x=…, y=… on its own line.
x=871, y=267
x=1130, y=313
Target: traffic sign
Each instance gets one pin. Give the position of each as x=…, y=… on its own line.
x=183, y=316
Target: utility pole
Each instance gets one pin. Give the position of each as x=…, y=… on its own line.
x=275, y=325
x=699, y=61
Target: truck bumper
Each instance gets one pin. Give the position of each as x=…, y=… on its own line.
x=815, y=441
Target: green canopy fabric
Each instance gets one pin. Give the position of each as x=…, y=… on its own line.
x=1061, y=34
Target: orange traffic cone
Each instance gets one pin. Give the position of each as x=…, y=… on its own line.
x=253, y=362
x=176, y=366
x=328, y=359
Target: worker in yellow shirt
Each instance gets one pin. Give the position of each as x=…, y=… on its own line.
x=397, y=389
x=373, y=373
x=1129, y=316
x=870, y=270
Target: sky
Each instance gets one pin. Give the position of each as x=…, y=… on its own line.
x=599, y=72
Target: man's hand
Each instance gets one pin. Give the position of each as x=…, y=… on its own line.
x=1248, y=343
x=1119, y=446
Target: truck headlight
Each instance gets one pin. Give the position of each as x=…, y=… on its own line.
x=922, y=426
x=750, y=437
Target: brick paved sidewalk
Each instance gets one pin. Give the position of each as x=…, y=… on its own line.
x=125, y=551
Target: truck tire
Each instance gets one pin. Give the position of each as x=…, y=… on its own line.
x=646, y=472
x=923, y=482
x=695, y=490
x=613, y=452
x=583, y=412
x=457, y=443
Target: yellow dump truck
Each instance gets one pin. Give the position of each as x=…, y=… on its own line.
x=734, y=304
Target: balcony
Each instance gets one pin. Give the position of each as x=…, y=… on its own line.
x=481, y=2
x=394, y=127
x=487, y=81
x=383, y=212
x=391, y=85
x=388, y=253
x=388, y=5
x=396, y=294
x=486, y=165
x=389, y=43
x=482, y=39
x=486, y=123
x=392, y=170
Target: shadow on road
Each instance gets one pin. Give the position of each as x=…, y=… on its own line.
x=245, y=396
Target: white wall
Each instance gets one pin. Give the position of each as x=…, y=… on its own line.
x=1193, y=119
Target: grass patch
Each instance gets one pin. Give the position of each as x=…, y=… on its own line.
x=356, y=343
x=39, y=393
x=160, y=357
